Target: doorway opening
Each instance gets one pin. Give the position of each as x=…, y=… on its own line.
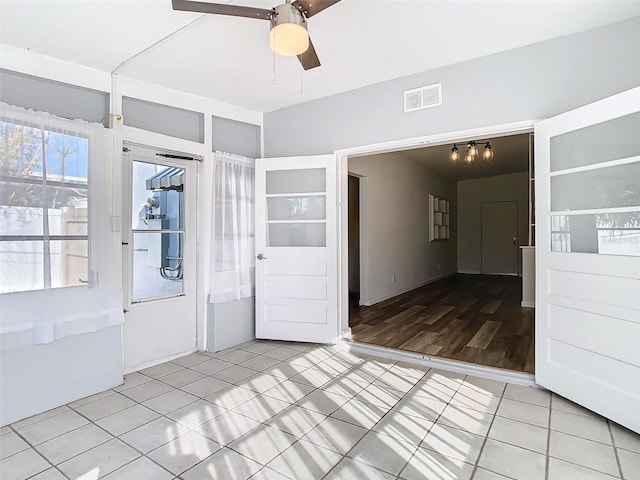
x=447, y=282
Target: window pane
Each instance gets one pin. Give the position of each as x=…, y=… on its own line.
x=157, y=194
x=296, y=234
x=21, y=266
x=296, y=208
x=67, y=158
x=602, y=188
x=604, y=234
x=69, y=262
x=296, y=181
x=603, y=142
x=157, y=265
x=20, y=220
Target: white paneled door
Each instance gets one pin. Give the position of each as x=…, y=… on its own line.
x=296, y=249
x=588, y=256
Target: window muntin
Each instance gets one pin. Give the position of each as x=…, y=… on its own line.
x=44, y=202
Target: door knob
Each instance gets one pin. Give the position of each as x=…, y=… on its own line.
x=261, y=257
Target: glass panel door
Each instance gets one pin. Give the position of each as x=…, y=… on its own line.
x=296, y=208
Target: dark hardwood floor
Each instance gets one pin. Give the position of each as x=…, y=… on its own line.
x=473, y=318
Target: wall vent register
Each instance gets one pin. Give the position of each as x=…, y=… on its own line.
x=423, y=97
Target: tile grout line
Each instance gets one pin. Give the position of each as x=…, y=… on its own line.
x=486, y=437
x=118, y=436
x=345, y=455
x=547, y=456
x=32, y=447
x=232, y=409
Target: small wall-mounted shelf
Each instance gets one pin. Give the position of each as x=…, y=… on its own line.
x=438, y=218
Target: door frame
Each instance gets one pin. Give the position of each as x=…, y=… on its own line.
x=342, y=157
x=130, y=135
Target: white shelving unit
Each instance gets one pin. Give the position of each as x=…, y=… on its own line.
x=438, y=218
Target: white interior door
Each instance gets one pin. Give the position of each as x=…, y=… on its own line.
x=296, y=249
x=500, y=238
x=159, y=251
x=588, y=256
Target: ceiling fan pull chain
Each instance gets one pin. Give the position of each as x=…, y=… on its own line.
x=274, y=66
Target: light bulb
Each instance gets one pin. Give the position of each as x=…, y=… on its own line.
x=455, y=155
x=468, y=158
x=473, y=149
x=487, y=155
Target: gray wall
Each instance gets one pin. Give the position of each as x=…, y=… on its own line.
x=471, y=195
x=154, y=117
x=532, y=82
x=61, y=99
x=233, y=322
x=236, y=137
x=395, y=226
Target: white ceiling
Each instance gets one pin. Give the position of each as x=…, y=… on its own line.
x=359, y=42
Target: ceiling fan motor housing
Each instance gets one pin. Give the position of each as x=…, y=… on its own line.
x=289, y=34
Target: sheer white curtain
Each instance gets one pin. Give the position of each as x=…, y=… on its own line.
x=57, y=275
x=232, y=232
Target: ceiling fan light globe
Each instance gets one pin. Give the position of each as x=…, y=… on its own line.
x=289, y=39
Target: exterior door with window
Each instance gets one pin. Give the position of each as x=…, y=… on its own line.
x=588, y=256
x=296, y=249
x=159, y=251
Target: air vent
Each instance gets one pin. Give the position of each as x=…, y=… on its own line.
x=423, y=97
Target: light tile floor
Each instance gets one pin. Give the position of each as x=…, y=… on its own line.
x=277, y=410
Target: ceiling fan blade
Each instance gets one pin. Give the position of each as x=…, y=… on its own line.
x=309, y=59
x=222, y=9
x=311, y=7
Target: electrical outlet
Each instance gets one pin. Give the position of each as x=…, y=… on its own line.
x=393, y=278
x=116, y=224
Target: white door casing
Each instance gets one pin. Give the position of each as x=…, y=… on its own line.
x=499, y=244
x=587, y=298
x=296, y=249
x=161, y=327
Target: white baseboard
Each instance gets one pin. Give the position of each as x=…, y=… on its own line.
x=492, y=373
x=527, y=304
x=142, y=366
x=387, y=296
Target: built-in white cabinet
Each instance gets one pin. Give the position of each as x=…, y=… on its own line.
x=438, y=218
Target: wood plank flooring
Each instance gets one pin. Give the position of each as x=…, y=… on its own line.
x=473, y=318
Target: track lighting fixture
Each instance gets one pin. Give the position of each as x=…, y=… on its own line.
x=455, y=155
x=471, y=153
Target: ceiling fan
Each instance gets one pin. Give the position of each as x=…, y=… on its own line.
x=289, y=35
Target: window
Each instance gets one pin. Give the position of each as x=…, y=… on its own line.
x=43, y=208
x=595, y=192
x=55, y=229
